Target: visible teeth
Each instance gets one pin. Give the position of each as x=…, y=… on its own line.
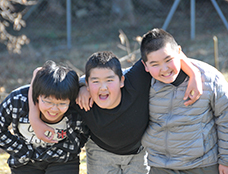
x=168, y=74
x=52, y=113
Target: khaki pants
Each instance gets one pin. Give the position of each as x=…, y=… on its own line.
x=100, y=161
x=204, y=170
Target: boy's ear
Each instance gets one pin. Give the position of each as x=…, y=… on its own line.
x=146, y=69
x=179, y=49
x=122, y=82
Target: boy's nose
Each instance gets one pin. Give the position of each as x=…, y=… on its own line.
x=103, y=86
x=54, y=108
x=164, y=68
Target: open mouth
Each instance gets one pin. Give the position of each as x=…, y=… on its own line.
x=167, y=74
x=52, y=114
x=103, y=97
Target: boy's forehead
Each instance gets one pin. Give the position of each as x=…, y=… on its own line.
x=102, y=73
x=167, y=47
x=166, y=50
x=52, y=97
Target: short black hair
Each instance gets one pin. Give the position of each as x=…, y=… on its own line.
x=104, y=59
x=54, y=80
x=154, y=40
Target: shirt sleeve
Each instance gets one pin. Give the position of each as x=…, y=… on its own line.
x=10, y=110
x=78, y=132
x=220, y=108
x=137, y=77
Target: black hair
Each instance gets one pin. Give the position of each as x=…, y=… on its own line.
x=154, y=40
x=104, y=59
x=54, y=80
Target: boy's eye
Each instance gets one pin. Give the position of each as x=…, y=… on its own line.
x=63, y=104
x=154, y=65
x=109, y=80
x=94, y=81
x=168, y=60
x=48, y=102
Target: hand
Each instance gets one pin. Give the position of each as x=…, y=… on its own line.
x=35, y=71
x=40, y=128
x=223, y=169
x=84, y=99
x=194, y=90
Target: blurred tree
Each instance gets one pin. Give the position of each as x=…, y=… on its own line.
x=124, y=9
x=10, y=15
x=56, y=7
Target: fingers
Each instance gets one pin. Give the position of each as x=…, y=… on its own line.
x=91, y=103
x=83, y=103
x=187, y=92
x=84, y=99
x=52, y=131
x=48, y=139
x=78, y=103
x=47, y=135
x=193, y=97
x=223, y=169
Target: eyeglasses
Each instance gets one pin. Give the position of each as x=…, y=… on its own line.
x=50, y=104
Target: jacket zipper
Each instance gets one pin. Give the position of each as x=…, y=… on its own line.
x=167, y=129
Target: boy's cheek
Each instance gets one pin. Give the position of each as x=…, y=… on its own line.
x=152, y=71
x=92, y=89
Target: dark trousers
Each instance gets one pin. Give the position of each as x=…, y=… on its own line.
x=204, y=170
x=48, y=168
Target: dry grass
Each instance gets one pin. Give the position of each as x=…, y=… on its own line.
x=4, y=169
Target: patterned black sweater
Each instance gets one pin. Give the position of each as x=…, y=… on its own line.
x=23, y=148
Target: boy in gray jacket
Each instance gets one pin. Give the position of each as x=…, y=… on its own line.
x=183, y=139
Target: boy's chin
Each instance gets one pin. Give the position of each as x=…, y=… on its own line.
x=167, y=81
x=102, y=106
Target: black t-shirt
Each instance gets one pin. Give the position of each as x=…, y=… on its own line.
x=180, y=78
x=119, y=130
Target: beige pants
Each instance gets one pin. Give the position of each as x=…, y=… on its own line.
x=100, y=161
x=204, y=170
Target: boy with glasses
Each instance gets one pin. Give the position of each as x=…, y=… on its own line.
x=55, y=89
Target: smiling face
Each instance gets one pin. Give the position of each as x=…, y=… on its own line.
x=52, y=109
x=164, y=64
x=104, y=86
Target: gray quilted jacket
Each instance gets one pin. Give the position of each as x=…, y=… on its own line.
x=183, y=137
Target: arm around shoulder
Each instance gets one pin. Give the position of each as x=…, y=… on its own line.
x=37, y=124
x=194, y=89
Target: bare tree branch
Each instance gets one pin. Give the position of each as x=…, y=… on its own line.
x=8, y=14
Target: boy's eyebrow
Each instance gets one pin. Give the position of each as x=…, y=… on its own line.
x=167, y=57
x=108, y=77
x=157, y=61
